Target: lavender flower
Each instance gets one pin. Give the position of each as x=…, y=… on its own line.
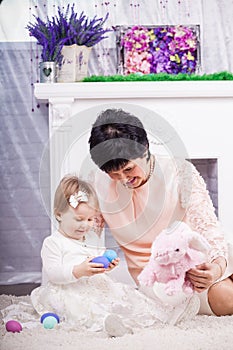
x=63, y=29
x=80, y=30
x=47, y=37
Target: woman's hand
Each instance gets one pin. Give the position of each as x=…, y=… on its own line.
x=113, y=264
x=204, y=275
x=88, y=268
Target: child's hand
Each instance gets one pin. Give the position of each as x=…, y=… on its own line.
x=113, y=264
x=88, y=268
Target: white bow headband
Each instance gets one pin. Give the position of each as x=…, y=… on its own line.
x=77, y=198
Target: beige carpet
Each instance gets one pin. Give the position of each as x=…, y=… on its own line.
x=202, y=333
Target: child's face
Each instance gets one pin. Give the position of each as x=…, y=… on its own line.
x=75, y=223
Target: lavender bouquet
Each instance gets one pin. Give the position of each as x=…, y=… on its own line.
x=64, y=29
x=47, y=37
x=80, y=30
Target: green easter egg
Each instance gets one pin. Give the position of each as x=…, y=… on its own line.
x=49, y=322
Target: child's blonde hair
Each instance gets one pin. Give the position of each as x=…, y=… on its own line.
x=67, y=187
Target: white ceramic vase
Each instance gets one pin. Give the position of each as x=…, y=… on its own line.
x=74, y=65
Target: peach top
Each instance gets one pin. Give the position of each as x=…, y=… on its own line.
x=175, y=191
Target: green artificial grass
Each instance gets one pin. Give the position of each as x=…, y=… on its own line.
x=159, y=77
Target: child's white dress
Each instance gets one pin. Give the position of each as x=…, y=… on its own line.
x=88, y=300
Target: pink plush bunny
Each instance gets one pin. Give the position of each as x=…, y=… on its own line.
x=174, y=251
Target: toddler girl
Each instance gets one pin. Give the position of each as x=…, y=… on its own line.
x=73, y=286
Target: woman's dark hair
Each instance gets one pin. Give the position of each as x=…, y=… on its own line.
x=116, y=138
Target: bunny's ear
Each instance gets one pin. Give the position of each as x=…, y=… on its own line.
x=198, y=242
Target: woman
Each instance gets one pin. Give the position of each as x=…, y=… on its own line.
x=147, y=193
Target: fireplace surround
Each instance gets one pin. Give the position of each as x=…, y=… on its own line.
x=198, y=113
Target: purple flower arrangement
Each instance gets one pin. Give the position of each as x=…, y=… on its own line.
x=64, y=29
x=162, y=49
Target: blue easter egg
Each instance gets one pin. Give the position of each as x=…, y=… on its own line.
x=110, y=254
x=49, y=322
x=13, y=326
x=101, y=260
x=47, y=314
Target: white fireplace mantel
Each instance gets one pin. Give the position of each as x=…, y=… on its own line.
x=125, y=90
x=200, y=111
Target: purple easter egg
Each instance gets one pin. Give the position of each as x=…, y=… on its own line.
x=110, y=254
x=13, y=326
x=101, y=260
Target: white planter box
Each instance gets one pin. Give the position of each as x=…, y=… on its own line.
x=74, y=63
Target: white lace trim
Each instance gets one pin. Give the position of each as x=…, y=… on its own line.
x=200, y=214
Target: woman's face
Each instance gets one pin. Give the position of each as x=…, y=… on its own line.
x=133, y=174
